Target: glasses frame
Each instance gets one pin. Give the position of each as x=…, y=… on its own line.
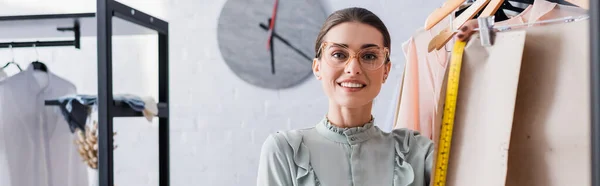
x=353, y=54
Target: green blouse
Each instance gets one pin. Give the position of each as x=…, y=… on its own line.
x=331, y=156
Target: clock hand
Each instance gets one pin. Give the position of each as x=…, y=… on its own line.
x=272, y=58
x=272, y=24
x=270, y=46
x=270, y=35
x=286, y=42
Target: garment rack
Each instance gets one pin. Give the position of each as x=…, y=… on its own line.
x=594, y=11
x=75, y=28
x=562, y=2
x=126, y=21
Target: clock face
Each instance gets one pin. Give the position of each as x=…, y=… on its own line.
x=280, y=61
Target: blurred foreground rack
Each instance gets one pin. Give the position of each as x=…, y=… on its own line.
x=110, y=19
x=595, y=88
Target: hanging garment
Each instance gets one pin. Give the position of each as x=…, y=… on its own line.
x=150, y=108
x=422, y=90
x=550, y=142
x=77, y=108
x=484, y=110
x=424, y=75
x=543, y=10
x=36, y=145
x=5, y=174
x=3, y=74
x=391, y=116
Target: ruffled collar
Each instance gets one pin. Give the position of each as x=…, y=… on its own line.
x=347, y=135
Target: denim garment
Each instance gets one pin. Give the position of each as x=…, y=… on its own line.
x=77, y=108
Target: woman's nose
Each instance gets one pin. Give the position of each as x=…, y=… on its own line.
x=353, y=67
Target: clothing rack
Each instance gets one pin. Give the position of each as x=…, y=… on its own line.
x=562, y=2
x=75, y=28
x=126, y=21
x=594, y=11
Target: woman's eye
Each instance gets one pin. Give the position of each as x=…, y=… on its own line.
x=370, y=57
x=339, y=55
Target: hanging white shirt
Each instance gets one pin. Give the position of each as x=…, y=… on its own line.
x=36, y=145
x=3, y=74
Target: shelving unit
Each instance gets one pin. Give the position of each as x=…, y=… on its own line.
x=121, y=109
x=110, y=19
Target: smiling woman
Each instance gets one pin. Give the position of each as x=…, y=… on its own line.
x=345, y=147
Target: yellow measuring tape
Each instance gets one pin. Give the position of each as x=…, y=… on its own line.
x=443, y=152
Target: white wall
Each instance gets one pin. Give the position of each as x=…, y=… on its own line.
x=218, y=122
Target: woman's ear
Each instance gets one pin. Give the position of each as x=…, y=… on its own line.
x=386, y=72
x=316, y=66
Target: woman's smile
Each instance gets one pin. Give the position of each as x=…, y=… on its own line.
x=351, y=85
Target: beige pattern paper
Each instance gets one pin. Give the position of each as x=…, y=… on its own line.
x=484, y=113
x=550, y=144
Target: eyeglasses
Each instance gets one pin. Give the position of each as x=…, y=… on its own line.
x=338, y=55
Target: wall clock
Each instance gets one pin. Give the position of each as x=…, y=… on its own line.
x=270, y=53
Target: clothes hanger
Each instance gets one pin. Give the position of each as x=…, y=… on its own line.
x=507, y=6
x=13, y=60
x=440, y=13
x=499, y=14
x=37, y=65
x=496, y=8
x=585, y=4
x=445, y=35
x=18, y=66
x=491, y=9
x=567, y=19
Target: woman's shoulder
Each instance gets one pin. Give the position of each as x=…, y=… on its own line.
x=284, y=142
x=410, y=140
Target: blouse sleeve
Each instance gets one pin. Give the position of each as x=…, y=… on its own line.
x=414, y=158
x=273, y=167
x=429, y=164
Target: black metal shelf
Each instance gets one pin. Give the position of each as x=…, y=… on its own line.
x=121, y=109
x=125, y=21
x=110, y=19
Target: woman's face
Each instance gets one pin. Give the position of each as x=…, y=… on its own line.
x=352, y=82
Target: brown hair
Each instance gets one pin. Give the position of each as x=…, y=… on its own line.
x=356, y=14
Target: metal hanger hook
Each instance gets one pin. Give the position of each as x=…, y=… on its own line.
x=12, y=53
x=37, y=55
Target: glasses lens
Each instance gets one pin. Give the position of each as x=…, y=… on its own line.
x=337, y=55
x=369, y=58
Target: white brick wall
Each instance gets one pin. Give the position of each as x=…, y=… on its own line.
x=218, y=122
